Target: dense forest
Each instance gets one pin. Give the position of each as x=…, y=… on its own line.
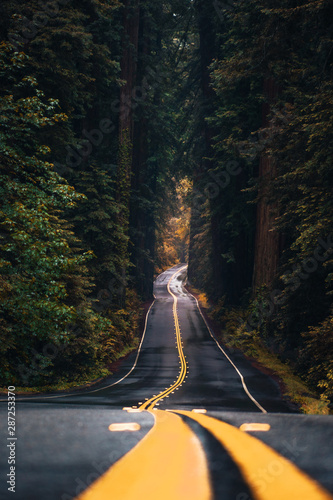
x=137, y=134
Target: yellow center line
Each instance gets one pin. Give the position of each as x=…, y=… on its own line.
x=168, y=464
x=269, y=475
x=150, y=403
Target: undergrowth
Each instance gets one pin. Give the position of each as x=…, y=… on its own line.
x=235, y=333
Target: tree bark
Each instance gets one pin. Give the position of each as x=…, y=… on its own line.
x=128, y=65
x=267, y=240
x=131, y=16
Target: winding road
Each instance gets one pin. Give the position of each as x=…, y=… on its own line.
x=183, y=418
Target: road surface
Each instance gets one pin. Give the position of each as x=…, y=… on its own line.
x=182, y=418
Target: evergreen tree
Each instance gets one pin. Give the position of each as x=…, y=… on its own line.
x=44, y=279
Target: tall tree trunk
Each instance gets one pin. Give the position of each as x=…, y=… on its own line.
x=267, y=240
x=205, y=13
x=128, y=65
x=130, y=38
x=144, y=173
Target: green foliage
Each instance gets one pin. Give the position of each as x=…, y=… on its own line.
x=43, y=278
x=173, y=238
x=209, y=100
x=318, y=355
x=272, y=101
x=66, y=306
x=49, y=328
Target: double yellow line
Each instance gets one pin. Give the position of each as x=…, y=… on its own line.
x=170, y=463
x=150, y=403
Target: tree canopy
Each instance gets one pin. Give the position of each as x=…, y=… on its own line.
x=136, y=135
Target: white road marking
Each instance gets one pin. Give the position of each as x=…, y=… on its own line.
x=258, y=405
x=137, y=357
x=102, y=388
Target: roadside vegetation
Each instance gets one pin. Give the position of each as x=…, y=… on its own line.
x=230, y=329
x=138, y=134
x=82, y=186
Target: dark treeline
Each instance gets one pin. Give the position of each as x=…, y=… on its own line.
x=85, y=163
x=262, y=213
x=114, y=116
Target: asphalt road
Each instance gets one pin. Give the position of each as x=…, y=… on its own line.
x=65, y=446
